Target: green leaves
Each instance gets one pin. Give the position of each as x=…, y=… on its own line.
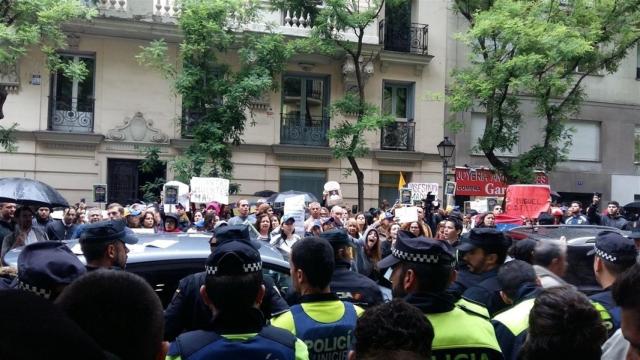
x=542, y=50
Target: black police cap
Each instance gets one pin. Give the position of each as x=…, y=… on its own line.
x=43, y=266
x=337, y=238
x=418, y=250
x=235, y=233
x=615, y=248
x=233, y=258
x=107, y=231
x=488, y=239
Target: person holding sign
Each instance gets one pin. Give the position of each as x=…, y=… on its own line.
x=283, y=237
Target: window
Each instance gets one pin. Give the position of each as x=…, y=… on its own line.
x=585, y=140
x=192, y=116
x=72, y=101
x=478, y=123
x=311, y=181
x=304, y=118
x=388, y=186
x=638, y=61
x=397, y=100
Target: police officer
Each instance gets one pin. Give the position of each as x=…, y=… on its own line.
x=485, y=250
x=347, y=284
x=422, y=269
x=187, y=310
x=321, y=320
x=45, y=268
x=520, y=287
x=104, y=244
x=614, y=254
x=234, y=289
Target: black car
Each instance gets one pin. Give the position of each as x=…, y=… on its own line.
x=580, y=240
x=165, y=258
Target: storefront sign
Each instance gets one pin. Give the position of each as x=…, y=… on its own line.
x=484, y=182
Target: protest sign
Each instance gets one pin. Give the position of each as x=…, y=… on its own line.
x=171, y=194
x=333, y=193
x=182, y=198
x=527, y=200
x=419, y=191
x=100, y=193
x=206, y=190
x=294, y=206
x=407, y=214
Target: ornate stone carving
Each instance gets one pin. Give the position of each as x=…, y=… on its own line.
x=10, y=78
x=137, y=129
x=349, y=73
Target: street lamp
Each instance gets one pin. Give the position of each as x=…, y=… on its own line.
x=445, y=150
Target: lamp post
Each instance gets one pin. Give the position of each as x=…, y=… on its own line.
x=445, y=150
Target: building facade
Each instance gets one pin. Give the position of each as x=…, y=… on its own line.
x=73, y=134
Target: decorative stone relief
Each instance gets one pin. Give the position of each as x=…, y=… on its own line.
x=137, y=129
x=349, y=73
x=263, y=102
x=10, y=78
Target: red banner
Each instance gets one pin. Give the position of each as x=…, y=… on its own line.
x=484, y=182
x=527, y=200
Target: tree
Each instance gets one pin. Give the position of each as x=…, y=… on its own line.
x=24, y=24
x=542, y=50
x=216, y=96
x=339, y=27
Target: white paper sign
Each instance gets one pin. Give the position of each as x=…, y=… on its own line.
x=205, y=190
x=183, y=196
x=294, y=206
x=420, y=190
x=407, y=214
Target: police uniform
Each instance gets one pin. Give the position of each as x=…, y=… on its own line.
x=106, y=231
x=240, y=335
x=617, y=249
x=486, y=289
x=460, y=332
x=349, y=285
x=44, y=267
x=512, y=325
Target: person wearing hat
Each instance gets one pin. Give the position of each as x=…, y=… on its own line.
x=104, y=244
x=485, y=250
x=614, y=254
x=46, y=268
x=171, y=222
x=234, y=290
x=283, y=237
x=349, y=285
x=321, y=320
x=187, y=310
x=422, y=269
x=183, y=219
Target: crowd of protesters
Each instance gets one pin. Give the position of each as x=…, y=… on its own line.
x=461, y=288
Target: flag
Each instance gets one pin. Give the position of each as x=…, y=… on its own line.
x=401, y=182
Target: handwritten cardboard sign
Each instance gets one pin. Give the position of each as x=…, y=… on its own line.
x=419, y=191
x=205, y=190
x=528, y=200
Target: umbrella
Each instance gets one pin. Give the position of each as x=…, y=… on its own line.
x=281, y=196
x=30, y=192
x=264, y=193
x=634, y=206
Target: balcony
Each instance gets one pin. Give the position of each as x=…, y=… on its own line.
x=398, y=136
x=413, y=39
x=71, y=115
x=309, y=131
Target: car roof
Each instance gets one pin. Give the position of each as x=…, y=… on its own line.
x=575, y=234
x=167, y=247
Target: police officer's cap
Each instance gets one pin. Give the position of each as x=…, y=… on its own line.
x=615, y=248
x=44, y=266
x=337, y=238
x=235, y=233
x=233, y=258
x=634, y=234
x=108, y=230
x=418, y=250
x=488, y=239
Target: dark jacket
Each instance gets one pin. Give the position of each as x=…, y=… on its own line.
x=6, y=228
x=187, y=311
x=56, y=230
x=605, y=220
x=40, y=224
x=353, y=287
x=605, y=299
x=487, y=292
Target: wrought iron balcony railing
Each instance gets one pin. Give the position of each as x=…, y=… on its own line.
x=410, y=39
x=71, y=115
x=398, y=136
x=304, y=130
